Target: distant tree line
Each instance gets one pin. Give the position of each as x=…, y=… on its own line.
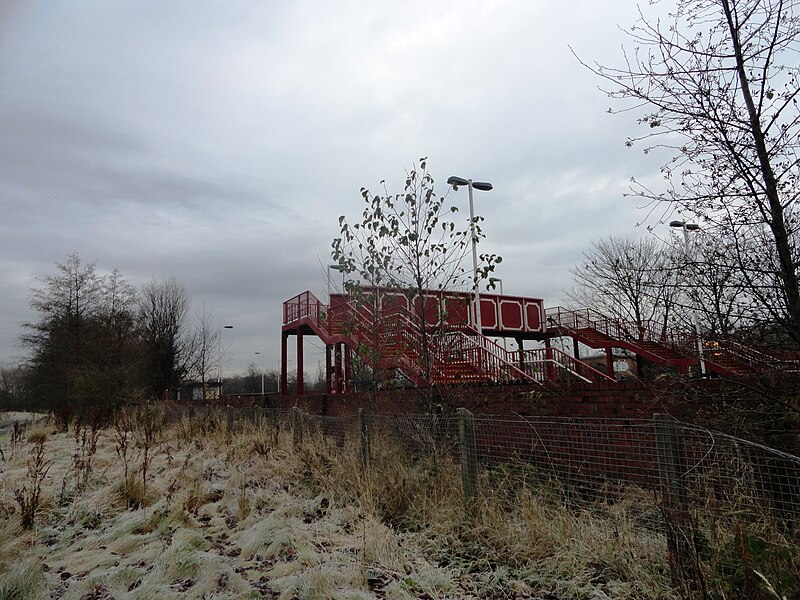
x=249, y=382
x=666, y=285
x=97, y=341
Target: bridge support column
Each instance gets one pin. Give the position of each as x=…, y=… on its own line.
x=283, y=387
x=338, y=369
x=610, y=362
x=300, y=387
x=347, y=368
x=328, y=369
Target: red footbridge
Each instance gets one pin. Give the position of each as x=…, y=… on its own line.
x=433, y=340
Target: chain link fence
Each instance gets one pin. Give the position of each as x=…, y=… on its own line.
x=722, y=503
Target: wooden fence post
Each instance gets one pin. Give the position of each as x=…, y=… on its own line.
x=229, y=416
x=364, y=437
x=675, y=501
x=469, y=454
x=297, y=427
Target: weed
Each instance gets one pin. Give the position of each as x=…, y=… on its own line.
x=30, y=494
x=124, y=423
x=243, y=502
x=149, y=427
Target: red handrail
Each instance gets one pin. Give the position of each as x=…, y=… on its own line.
x=682, y=343
x=304, y=305
x=537, y=360
x=489, y=358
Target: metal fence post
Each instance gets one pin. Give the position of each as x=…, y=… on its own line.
x=469, y=454
x=297, y=427
x=364, y=437
x=675, y=501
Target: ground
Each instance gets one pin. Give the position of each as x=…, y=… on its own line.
x=246, y=515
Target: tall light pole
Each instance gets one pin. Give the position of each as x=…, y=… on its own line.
x=219, y=356
x=334, y=268
x=686, y=228
x=484, y=187
x=262, y=372
x=499, y=280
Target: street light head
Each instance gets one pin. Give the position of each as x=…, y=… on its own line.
x=456, y=181
x=478, y=185
x=227, y=326
x=682, y=224
x=494, y=279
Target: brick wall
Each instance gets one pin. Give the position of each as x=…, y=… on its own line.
x=601, y=400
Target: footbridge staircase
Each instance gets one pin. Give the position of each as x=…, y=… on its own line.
x=384, y=331
x=682, y=350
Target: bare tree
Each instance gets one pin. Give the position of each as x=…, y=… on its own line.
x=163, y=311
x=715, y=84
x=119, y=315
x=714, y=291
x=67, y=303
x=630, y=280
x=204, y=346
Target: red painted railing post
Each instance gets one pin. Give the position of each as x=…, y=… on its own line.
x=346, y=368
x=328, y=386
x=283, y=384
x=337, y=359
x=300, y=387
x=548, y=357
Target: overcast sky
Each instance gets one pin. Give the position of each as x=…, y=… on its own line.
x=219, y=141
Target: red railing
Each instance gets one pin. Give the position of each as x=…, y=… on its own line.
x=485, y=355
x=302, y=306
x=385, y=341
x=754, y=359
x=682, y=343
x=536, y=363
x=726, y=357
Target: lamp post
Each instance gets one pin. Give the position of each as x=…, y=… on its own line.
x=484, y=187
x=334, y=268
x=686, y=228
x=262, y=372
x=219, y=357
x=499, y=280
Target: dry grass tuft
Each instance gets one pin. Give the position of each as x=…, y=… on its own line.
x=21, y=581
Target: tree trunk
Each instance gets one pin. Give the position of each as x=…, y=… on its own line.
x=777, y=222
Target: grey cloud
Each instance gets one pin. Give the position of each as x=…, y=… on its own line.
x=219, y=142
